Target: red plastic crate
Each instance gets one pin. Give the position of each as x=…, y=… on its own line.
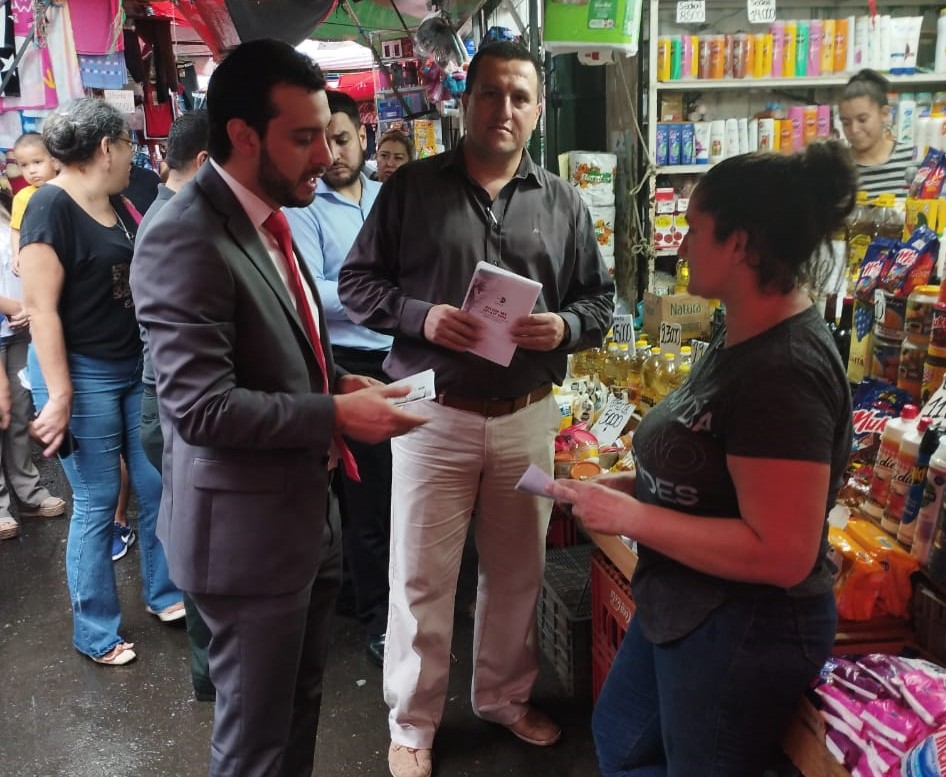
x=611, y=611
x=562, y=533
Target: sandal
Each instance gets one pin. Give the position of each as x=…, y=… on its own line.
x=119, y=655
x=8, y=528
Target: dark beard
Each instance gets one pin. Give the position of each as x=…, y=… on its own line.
x=348, y=180
x=277, y=186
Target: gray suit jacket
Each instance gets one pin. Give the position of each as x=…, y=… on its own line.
x=246, y=424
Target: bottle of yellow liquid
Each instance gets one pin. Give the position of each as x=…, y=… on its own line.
x=665, y=376
x=621, y=371
x=634, y=371
x=684, y=362
x=578, y=364
x=682, y=280
x=609, y=375
x=648, y=382
x=860, y=232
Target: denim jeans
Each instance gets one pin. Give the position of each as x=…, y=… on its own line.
x=106, y=414
x=716, y=701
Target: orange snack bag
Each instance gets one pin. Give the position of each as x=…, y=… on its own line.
x=859, y=580
x=899, y=565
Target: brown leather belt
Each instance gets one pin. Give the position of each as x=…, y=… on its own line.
x=494, y=407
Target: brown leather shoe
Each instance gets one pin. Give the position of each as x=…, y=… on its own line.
x=409, y=761
x=536, y=728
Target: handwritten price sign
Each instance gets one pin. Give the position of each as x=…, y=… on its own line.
x=699, y=348
x=691, y=11
x=612, y=420
x=670, y=337
x=622, y=329
x=760, y=11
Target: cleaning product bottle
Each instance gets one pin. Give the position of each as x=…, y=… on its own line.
x=887, y=460
x=931, y=503
x=911, y=508
x=900, y=482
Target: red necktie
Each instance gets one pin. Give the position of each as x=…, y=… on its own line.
x=278, y=226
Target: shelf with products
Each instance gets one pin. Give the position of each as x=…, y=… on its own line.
x=673, y=97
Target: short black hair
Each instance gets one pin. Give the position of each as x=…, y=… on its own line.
x=339, y=102
x=788, y=206
x=241, y=88
x=186, y=139
x=505, y=50
x=29, y=139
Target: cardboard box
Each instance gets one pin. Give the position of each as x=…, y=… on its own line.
x=692, y=313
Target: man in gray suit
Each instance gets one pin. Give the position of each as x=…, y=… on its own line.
x=252, y=409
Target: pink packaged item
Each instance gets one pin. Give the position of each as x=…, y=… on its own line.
x=891, y=721
x=925, y=694
x=841, y=704
x=852, y=677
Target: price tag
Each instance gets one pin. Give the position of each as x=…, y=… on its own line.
x=699, y=348
x=760, y=11
x=670, y=338
x=880, y=305
x=622, y=329
x=123, y=99
x=612, y=420
x=691, y=11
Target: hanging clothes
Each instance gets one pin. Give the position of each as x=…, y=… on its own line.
x=96, y=26
x=8, y=51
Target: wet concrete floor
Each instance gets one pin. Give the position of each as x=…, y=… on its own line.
x=63, y=715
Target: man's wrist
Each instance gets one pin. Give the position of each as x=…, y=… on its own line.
x=566, y=333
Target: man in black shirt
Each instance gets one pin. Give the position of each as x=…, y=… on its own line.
x=407, y=274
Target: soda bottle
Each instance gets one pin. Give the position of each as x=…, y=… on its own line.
x=830, y=313
x=860, y=233
x=887, y=460
x=649, y=376
x=665, y=376
x=900, y=482
x=888, y=221
x=911, y=508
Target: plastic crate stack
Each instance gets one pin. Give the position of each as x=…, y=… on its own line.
x=564, y=617
x=562, y=533
x=611, y=612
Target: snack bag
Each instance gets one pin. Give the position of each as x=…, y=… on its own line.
x=859, y=580
x=932, y=160
x=874, y=267
x=874, y=403
x=912, y=262
x=896, y=592
x=927, y=759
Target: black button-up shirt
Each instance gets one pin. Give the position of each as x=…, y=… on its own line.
x=429, y=227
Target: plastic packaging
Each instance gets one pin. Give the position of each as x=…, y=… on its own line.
x=939, y=61
x=886, y=462
x=928, y=444
x=907, y=458
x=827, y=47
x=801, y=48
x=815, y=38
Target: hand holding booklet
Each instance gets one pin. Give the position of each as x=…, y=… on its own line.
x=499, y=298
x=421, y=385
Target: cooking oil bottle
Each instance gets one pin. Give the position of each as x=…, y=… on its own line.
x=648, y=381
x=860, y=233
x=665, y=376
x=634, y=371
x=684, y=362
x=682, y=280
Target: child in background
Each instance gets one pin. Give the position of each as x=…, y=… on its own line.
x=37, y=167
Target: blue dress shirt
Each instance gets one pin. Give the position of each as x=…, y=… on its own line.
x=324, y=233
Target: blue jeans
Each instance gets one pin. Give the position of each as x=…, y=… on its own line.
x=106, y=415
x=716, y=701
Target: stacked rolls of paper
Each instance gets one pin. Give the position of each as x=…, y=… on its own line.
x=593, y=173
x=602, y=216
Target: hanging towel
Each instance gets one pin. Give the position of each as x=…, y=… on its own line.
x=103, y=71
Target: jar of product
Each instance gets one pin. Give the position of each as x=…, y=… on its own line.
x=885, y=364
x=937, y=346
x=893, y=321
x=934, y=370
x=910, y=369
x=918, y=319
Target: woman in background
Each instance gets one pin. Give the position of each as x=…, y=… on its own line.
x=394, y=149
x=76, y=245
x=883, y=165
x=736, y=471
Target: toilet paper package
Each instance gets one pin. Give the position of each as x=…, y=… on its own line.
x=593, y=174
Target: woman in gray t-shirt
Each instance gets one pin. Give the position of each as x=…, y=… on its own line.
x=736, y=472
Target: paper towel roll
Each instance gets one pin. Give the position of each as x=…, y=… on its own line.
x=603, y=219
x=593, y=174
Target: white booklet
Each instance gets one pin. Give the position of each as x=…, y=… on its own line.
x=421, y=385
x=498, y=298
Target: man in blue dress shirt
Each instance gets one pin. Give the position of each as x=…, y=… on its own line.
x=324, y=232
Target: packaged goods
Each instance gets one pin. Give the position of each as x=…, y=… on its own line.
x=910, y=368
x=907, y=458
x=593, y=174
x=896, y=593
x=875, y=407
x=911, y=509
x=931, y=503
x=859, y=579
x=932, y=161
x=859, y=358
x=885, y=358
x=927, y=759
x=934, y=370
x=874, y=267
x=892, y=321
x=918, y=321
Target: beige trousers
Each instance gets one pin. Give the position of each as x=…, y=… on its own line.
x=457, y=464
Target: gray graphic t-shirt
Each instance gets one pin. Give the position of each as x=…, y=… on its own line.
x=782, y=394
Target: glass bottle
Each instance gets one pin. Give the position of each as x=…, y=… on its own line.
x=682, y=279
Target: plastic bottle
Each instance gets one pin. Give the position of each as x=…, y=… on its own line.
x=634, y=371
x=900, y=482
x=887, y=459
x=609, y=376
x=931, y=504
x=830, y=313
x=684, y=363
x=621, y=369
x=939, y=63
x=682, y=279
x=665, y=376
x=911, y=508
x=842, y=334
x=648, y=375
x=860, y=233
x=888, y=221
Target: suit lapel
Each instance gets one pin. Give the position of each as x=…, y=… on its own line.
x=247, y=240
